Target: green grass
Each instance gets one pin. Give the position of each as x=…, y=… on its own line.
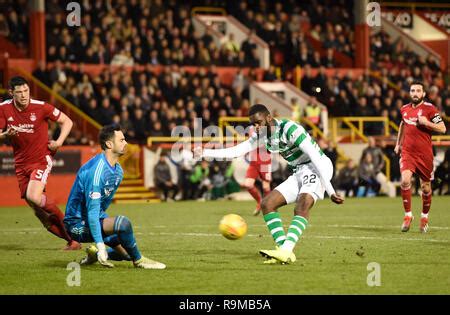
x=332, y=255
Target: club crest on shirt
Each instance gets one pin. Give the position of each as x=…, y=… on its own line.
x=108, y=191
x=33, y=117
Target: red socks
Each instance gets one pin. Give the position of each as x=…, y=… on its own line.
x=55, y=218
x=406, y=197
x=255, y=194
x=426, y=202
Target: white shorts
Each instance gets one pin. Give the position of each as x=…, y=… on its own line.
x=306, y=180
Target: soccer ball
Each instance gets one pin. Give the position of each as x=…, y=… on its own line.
x=233, y=226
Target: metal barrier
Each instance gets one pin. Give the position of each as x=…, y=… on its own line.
x=359, y=129
x=209, y=10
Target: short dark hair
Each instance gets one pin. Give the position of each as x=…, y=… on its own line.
x=258, y=108
x=417, y=82
x=16, y=81
x=107, y=134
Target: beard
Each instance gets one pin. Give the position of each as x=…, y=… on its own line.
x=417, y=100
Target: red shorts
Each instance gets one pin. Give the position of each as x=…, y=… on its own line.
x=420, y=165
x=38, y=172
x=262, y=171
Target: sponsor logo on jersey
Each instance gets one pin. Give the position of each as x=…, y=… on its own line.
x=95, y=195
x=411, y=121
x=27, y=128
x=33, y=117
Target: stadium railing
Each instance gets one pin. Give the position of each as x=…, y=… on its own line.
x=356, y=130
x=209, y=10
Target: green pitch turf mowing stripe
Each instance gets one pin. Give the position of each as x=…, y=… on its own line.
x=332, y=257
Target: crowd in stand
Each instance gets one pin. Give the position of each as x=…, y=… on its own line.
x=170, y=37
x=366, y=95
x=14, y=22
x=149, y=104
x=139, y=32
x=282, y=25
x=161, y=32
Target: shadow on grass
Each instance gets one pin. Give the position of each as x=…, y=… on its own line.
x=12, y=247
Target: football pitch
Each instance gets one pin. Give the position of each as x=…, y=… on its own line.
x=336, y=255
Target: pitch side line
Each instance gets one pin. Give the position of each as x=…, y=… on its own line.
x=314, y=225
x=40, y=230
x=253, y=225
x=304, y=236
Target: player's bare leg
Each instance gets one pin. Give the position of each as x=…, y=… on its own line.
x=272, y=202
x=426, y=204
x=40, y=203
x=121, y=227
x=406, y=197
x=304, y=205
x=249, y=184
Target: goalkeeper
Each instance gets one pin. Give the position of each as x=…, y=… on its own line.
x=91, y=194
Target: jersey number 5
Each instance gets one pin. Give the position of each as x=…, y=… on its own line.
x=39, y=174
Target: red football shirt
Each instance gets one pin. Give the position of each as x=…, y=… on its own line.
x=417, y=138
x=30, y=145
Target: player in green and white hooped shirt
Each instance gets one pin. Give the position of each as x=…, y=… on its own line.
x=313, y=171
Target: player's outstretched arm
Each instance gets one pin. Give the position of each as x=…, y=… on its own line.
x=227, y=153
x=65, y=124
